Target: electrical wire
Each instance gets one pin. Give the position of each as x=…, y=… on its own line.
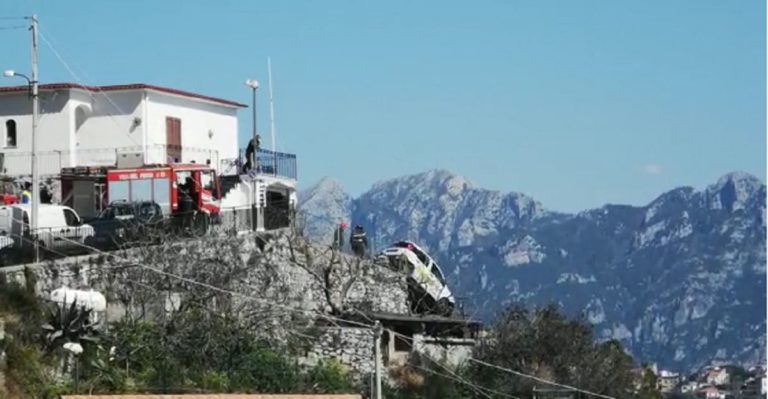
x=520, y=374
x=79, y=81
x=334, y=320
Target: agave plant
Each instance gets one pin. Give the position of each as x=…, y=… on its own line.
x=69, y=324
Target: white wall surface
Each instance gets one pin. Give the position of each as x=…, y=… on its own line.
x=52, y=135
x=108, y=127
x=197, y=120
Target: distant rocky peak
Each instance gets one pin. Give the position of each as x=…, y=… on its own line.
x=322, y=207
x=438, y=180
x=326, y=186
x=733, y=191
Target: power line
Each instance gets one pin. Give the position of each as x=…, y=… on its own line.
x=334, y=320
x=329, y=318
x=517, y=373
x=478, y=389
x=15, y=27
x=79, y=81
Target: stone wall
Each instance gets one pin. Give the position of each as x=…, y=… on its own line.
x=352, y=347
x=373, y=287
x=449, y=351
x=267, y=279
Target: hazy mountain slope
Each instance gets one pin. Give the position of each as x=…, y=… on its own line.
x=680, y=281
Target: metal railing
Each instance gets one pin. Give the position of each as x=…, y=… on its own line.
x=276, y=163
x=268, y=163
x=20, y=163
x=51, y=162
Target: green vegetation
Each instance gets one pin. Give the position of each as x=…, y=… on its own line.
x=199, y=350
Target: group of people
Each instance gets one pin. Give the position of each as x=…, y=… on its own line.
x=25, y=197
x=358, y=240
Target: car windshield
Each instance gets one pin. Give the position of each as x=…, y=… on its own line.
x=116, y=210
x=437, y=273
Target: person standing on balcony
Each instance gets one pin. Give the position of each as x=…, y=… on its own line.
x=254, y=145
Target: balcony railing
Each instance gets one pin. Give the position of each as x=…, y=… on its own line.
x=276, y=163
x=269, y=163
x=16, y=164
x=50, y=163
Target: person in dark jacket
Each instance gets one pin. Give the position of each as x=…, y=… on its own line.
x=250, y=153
x=358, y=241
x=187, y=203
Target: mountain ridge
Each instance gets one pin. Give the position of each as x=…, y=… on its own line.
x=678, y=280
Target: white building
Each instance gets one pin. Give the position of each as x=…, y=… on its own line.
x=92, y=126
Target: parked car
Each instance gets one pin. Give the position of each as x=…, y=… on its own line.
x=124, y=222
x=60, y=230
x=427, y=287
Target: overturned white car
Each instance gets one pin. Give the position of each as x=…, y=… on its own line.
x=427, y=287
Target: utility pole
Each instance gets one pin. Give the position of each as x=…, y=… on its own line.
x=35, y=111
x=272, y=118
x=254, y=165
x=377, y=330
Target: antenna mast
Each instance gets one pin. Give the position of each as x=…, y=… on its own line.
x=271, y=112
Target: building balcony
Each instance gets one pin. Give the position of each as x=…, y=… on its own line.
x=277, y=165
x=268, y=163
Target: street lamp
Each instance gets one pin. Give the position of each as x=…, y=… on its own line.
x=10, y=73
x=76, y=350
x=32, y=82
x=254, y=85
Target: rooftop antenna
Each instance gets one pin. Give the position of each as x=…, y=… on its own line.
x=272, y=116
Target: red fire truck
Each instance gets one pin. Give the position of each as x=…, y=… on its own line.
x=188, y=191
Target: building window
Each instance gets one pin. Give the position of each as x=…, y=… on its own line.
x=173, y=139
x=10, y=133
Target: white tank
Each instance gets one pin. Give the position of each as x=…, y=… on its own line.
x=92, y=300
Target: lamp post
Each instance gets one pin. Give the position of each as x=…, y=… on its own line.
x=254, y=85
x=35, y=111
x=76, y=350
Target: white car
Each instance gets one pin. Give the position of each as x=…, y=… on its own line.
x=429, y=291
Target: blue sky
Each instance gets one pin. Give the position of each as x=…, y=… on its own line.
x=577, y=103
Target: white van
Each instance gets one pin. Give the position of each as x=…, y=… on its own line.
x=59, y=229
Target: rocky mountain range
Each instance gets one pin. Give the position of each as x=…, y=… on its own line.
x=680, y=281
